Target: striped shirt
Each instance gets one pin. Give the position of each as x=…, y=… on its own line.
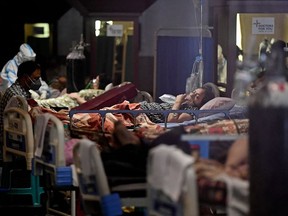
x=14, y=89
x=158, y=117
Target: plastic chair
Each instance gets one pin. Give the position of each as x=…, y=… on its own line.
x=17, y=101
x=49, y=160
x=94, y=187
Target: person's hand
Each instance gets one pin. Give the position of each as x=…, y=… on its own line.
x=237, y=160
x=180, y=98
x=43, y=95
x=124, y=83
x=34, y=94
x=206, y=168
x=74, y=95
x=64, y=111
x=175, y=117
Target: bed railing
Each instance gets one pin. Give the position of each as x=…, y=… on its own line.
x=134, y=113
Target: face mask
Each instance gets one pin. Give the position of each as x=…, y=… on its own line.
x=35, y=85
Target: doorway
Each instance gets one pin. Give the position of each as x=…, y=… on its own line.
x=257, y=29
x=113, y=49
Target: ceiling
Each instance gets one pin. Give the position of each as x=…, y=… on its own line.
x=34, y=10
x=51, y=10
x=16, y=13
x=90, y=7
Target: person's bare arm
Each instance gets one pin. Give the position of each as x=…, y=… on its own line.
x=236, y=164
x=207, y=168
x=179, y=117
x=237, y=159
x=76, y=96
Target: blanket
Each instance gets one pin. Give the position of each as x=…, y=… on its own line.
x=220, y=126
x=93, y=121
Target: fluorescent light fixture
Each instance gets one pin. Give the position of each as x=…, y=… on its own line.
x=41, y=30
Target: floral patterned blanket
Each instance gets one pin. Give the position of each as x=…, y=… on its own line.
x=221, y=126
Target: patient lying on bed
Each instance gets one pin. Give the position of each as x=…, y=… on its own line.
x=192, y=101
x=70, y=100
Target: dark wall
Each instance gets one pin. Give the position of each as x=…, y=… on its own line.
x=11, y=38
x=14, y=14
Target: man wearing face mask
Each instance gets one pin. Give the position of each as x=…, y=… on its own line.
x=29, y=74
x=9, y=72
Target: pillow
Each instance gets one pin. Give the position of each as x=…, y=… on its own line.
x=167, y=98
x=221, y=103
x=217, y=103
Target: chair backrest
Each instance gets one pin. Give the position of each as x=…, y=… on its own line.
x=17, y=101
x=18, y=135
x=49, y=140
x=49, y=158
x=92, y=180
x=88, y=163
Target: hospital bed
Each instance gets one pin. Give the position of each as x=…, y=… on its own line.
x=232, y=115
x=217, y=108
x=96, y=124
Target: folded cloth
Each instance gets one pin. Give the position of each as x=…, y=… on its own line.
x=157, y=165
x=237, y=195
x=85, y=151
x=167, y=169
x=74, y=176
x=178, y=164
x=39, y=131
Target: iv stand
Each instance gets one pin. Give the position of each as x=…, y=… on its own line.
x=196, y=78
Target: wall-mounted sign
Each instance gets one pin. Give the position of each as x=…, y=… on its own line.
x=263, y=25
x=115, y=30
